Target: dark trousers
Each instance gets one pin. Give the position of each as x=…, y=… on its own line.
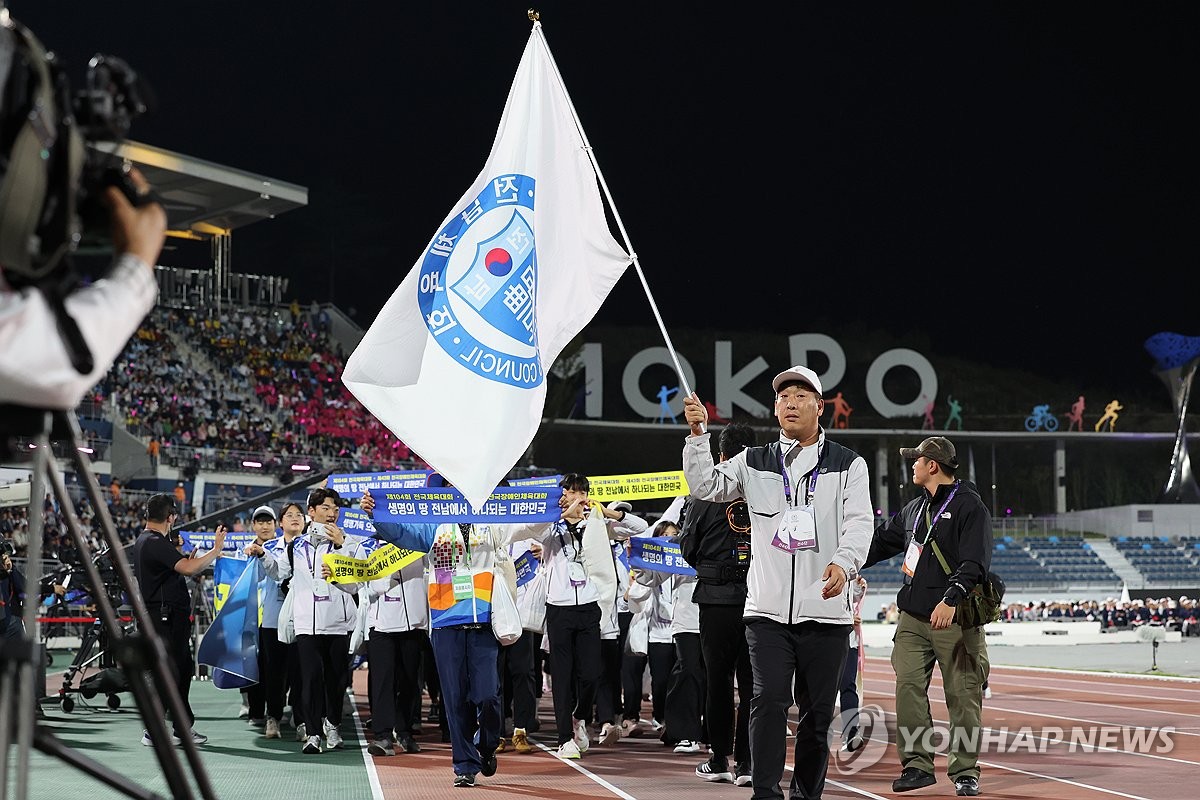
x=467, y=664
x=517, y=672
x=265, y=698
x=324, y=671
x=608, y=691
x=661, y=656
x=633, y=668
x=723, y=645
x=295, y=685
x=808, y=658
x=393, y=680
x=574, y=633
x=176, y=634
x=685, y=692
x=849, y=694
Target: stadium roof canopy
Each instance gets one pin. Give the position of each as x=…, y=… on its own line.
x=203, y=199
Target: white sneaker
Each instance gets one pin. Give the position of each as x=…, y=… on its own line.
x=687, y=746
x=312, y=745
x=333, y=739
x=301, y=733
x=581, y=737
x=271, y=731
x=569, y=750
x=244, y=711
x=987, y=693
x=609, y=734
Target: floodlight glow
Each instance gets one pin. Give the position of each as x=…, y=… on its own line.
x=257, y=464
x=300, y=467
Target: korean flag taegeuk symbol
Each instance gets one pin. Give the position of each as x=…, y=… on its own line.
x=501, y=283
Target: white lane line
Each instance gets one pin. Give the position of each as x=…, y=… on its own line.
x=1066, y=781
x=372, y=772
x=1008, y=695
x=573, y=764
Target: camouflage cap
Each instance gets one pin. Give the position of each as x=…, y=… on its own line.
x=939, y=448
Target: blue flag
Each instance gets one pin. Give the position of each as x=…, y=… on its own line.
x=230, y=646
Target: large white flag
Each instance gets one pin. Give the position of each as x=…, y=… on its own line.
x=455, y=364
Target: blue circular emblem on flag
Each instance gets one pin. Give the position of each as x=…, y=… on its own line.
x=478, y=285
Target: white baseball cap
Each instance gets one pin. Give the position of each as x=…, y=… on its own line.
x=798, y=373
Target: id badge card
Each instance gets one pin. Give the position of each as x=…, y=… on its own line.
x=320, y=591
x=577, y=573
x=463, y=584
x=797, y=530
x=911, y=557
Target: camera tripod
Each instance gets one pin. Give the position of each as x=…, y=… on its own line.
x=142, y=656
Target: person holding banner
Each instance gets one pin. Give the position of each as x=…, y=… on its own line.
x=161, y=570
x=580, y=574
x=651, y=600
x=398, y=620
x=811, y=527
x=325, y=614
x=266, y=697
x=460, y=561
x=518, y=669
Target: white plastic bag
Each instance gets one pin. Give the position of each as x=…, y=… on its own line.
x=287, y=620
x=506, y=620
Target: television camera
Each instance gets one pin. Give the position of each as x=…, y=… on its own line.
x=52, y=177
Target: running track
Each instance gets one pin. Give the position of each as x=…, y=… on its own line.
x=1032, y=766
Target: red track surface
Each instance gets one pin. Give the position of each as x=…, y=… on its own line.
x=1014, y=766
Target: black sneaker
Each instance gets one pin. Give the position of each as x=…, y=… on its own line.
x=715, y=769
x=912, y=778
x=489, y=765
x=464, y=781
x=409, y=744
x=966, y=786
x=741, y=774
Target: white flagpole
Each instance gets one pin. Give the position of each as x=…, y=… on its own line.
x=537, y=28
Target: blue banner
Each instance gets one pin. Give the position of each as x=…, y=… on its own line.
x=358, y=524
x=204, y=540
x=536, y=480
x=527, y=567
x=352, y=485
x=230, y=646
x=658, y=555
x=446, y=504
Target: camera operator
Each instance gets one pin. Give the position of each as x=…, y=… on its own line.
x=161, y=568
x=12, y=592
x=36, y=368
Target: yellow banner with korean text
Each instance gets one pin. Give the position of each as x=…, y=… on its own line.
x=641, y=486
x=383, y=562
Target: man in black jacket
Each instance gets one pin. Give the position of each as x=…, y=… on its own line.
x=948, y=517
x=716, y=542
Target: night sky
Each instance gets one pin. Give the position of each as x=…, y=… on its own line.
x=1015, y=181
